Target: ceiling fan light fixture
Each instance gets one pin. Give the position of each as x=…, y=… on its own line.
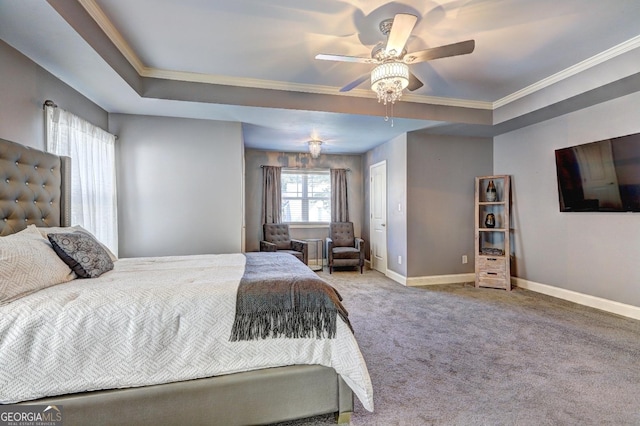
x=314, y=148
x=388, y=80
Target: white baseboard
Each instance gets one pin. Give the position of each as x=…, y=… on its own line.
x=607, y=305
x=618, y=308
x=441, y=279
x=401, y=279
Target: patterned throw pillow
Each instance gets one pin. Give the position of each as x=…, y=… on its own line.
x=75, y=228
x=27, y=264
x=83, y=253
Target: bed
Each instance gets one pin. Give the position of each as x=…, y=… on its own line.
x=193, y=372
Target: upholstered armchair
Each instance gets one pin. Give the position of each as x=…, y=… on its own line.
x=276, y=238
x=343, y=248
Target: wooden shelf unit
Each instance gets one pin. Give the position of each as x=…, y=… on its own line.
x=492, y=244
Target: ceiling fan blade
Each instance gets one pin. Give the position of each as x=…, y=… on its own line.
x=342, y=58
x=355, y=83
x=400, y=31
x=461, y=48
x=414, y=82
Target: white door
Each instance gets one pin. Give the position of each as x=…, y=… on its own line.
x=378, y=219
x=599, y=180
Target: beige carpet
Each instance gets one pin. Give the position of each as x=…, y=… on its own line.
x=457, y=355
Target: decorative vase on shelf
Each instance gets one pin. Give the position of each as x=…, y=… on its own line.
x=490, y=221
x=492, y=195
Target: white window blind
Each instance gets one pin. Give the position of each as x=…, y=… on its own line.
x=306, y=196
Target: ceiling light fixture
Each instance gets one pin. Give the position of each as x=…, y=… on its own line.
x=388, y=80
x=314, y=148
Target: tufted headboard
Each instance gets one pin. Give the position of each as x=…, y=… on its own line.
x=34, y=188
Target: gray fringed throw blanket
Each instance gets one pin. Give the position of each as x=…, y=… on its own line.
x=280, y=297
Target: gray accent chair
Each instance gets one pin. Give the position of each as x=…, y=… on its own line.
x=276, y=238
x=343, y=248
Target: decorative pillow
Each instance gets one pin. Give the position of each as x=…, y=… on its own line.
x=60, y=229
x=82, y=252
x=27, y=264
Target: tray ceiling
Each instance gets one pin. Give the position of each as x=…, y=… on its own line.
x=268, y=50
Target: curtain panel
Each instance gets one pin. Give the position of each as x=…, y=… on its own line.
x=339, y=198
x=271, y=194
x=93, y=172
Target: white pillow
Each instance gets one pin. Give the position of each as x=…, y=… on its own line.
x=28, y=264
x=60, y=230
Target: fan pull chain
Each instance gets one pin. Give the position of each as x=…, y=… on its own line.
x=392, y=103
x=386, y=112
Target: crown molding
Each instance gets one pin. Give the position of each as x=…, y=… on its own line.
x=121, y=44
x=591, y=62
x=114, y=35
x=453, y=102
x=305, y=88
x=144, y=71
x=236, y=81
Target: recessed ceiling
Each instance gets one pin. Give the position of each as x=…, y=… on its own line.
x=269, y=47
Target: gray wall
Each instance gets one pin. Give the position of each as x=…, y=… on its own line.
x=180, y=184
x=24, y=86
x=592, y=253
x=440, y=186
x=394, y=153
x=253, y=190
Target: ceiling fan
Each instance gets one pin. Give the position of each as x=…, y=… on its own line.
x=398, y=30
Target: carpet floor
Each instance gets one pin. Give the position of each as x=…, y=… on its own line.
x=457, y=355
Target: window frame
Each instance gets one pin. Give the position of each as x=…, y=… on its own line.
x=304, y=190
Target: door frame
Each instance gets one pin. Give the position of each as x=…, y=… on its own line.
x=371, y=227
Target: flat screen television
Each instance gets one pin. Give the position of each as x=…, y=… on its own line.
x=601, y=176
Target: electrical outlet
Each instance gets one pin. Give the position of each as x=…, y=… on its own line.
x=399, y=260
x=465, y=259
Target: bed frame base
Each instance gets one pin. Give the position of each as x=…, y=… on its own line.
x=249, y=398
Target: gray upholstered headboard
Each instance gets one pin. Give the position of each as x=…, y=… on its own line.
x=34, y=188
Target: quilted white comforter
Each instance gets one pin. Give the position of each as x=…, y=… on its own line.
x=149, y=321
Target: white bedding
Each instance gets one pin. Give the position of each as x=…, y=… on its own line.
x=149, y=321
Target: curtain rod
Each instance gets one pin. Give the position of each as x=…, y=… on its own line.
x=49, y=103
x=262, y=166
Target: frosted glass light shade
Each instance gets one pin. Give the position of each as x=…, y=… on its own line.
x=314, y=148
x=388, y=80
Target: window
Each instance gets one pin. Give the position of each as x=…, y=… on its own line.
x=306, y=196
x=93, y=173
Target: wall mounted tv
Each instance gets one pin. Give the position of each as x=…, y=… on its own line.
x=601, y=176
